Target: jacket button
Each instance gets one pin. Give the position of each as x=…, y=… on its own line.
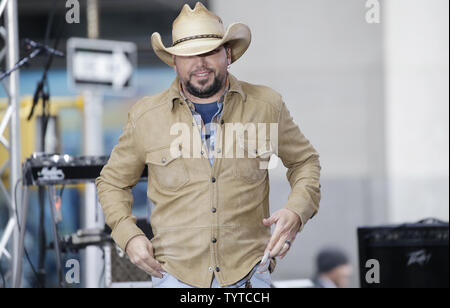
x=213, y=210
x=222, y=122
x=163, y=160
x=217, y=269
x=213, y=180
x=213, y=240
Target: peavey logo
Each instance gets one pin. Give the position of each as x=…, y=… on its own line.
x=419, y=257
x=52, y=174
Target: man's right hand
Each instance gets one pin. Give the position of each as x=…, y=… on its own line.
x=140, y=251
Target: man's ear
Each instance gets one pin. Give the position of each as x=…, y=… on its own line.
x=228, y=49
x=174, y=64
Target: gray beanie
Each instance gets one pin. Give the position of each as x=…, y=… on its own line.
x=330, y=258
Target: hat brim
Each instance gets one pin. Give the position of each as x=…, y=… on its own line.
x=238, y=36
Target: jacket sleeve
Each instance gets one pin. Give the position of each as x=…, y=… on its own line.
x=118, y=176
x=302, y=162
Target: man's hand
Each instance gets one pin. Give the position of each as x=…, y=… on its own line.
x=287, y=224
x=140, y=251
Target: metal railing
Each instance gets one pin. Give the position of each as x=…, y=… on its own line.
x=9, y=54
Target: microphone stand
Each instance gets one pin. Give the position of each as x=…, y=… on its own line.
x=40, y=93
x=37, y=50
x=21, y=63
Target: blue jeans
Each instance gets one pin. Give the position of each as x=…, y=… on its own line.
x=257, y=280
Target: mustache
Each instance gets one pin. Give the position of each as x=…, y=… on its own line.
x=201, y=70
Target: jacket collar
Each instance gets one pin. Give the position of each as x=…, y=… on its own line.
x=174, y=90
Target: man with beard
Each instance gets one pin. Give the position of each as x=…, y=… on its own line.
x=211, y=219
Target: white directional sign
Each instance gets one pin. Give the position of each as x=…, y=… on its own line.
x=101, y=65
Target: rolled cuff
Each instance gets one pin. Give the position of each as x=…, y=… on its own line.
x=305, y=210
x=125, y=231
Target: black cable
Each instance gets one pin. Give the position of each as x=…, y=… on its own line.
x=42, y=238
x=58, y=226
x=2, y=276
x=61, y=191
x=19, y=228
x=102, y=274
x=58, y=229
x=49, y=23
x=43, y=90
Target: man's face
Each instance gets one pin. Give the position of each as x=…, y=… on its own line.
x=203, y=75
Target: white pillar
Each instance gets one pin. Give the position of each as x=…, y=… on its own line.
x=417, y=107
x=92, y=215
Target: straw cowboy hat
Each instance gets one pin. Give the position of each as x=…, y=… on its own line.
x=197, y=31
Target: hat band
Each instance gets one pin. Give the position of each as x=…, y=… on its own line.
x=197, y=37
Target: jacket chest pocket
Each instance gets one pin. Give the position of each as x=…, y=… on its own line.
x=252, y=160
x=167, y=171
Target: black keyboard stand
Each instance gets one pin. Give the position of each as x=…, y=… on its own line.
x=50, y=170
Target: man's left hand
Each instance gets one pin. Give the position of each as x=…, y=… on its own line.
x=287, y=224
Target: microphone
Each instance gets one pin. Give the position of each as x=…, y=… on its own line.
x=32, y=44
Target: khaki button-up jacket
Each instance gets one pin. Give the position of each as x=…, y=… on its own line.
x=207, y=220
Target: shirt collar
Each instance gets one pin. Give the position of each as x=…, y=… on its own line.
x=235, y=86
x=176, y=93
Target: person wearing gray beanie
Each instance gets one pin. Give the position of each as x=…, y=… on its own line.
x=333, y=269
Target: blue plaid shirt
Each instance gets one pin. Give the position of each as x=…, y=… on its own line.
x=207, y=130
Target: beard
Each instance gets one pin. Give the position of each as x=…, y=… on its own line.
x=216, y=85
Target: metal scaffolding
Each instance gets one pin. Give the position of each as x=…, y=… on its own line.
x=10, y=53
